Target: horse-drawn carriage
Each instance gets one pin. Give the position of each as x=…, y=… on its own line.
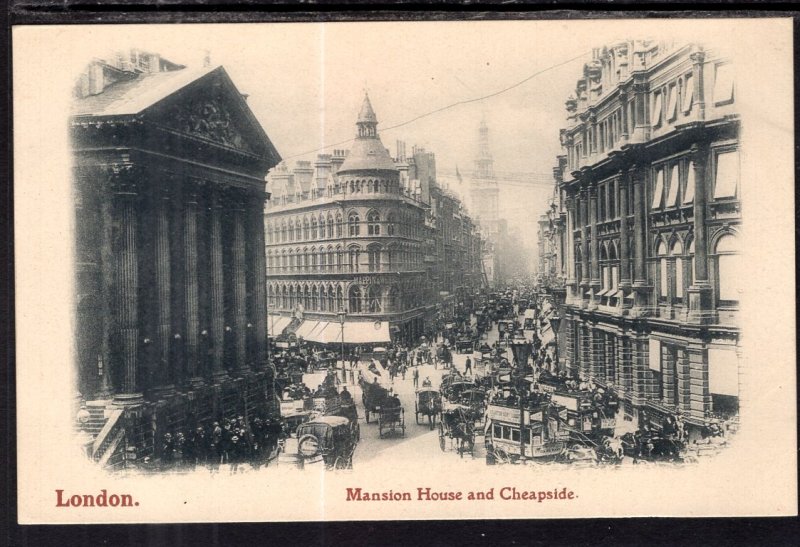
x=428, y=403
x=330, y=440
x=391, y=418
x=457, y=426
x=465, y=344
x=373, y=396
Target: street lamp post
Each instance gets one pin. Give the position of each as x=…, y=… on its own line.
x=555, y=322
x=521, y=350
x=341, y=315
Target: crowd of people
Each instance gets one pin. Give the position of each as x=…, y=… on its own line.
x=232, y=441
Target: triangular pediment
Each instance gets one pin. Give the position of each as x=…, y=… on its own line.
x=212, y=109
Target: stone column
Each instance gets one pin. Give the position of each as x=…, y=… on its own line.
x=585, y=274
x=105, y=380
x=700, y=293
x=259, y=314
x=190, y=299
x=699, y=396
x=217, y=289
x=239, y=286
x=624, y=362
x=127, y=294
x=594, y=246
x=623, y=99
x=164, y=378
x=698, y=62
x=624, y=251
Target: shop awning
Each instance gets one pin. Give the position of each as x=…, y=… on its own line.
x=305, y=329
x=723, y=372
x=324, y=332
x=363, y=332
x=276, y=324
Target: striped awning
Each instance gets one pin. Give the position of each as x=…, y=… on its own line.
x=276, y=324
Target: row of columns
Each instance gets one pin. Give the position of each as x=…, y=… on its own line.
x=622, y=358
x=582, y=217
x=188, y=293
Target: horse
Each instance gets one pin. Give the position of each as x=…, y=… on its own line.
x=461, y=430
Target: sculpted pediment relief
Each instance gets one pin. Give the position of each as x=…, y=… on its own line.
x=209, y=118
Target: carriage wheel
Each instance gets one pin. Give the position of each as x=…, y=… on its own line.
x=441, y=436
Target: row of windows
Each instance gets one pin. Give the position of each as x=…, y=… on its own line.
x=672, y=185
x=328, y=227
x=673, y=273
x=329, y=298
x=338, y=260
x=668, y=103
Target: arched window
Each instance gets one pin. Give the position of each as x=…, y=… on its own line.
x=728, y=272
x=355, y=257
x=339, y=298
x=314, y=298
x=305, y=228
x=292, y=258
x=313, y=259
x=292, y=298
x=374, y=258
x=339, y=259
x=332, y=299
x=313, y=228
x=394, y=300
x=322, y=260
x=330, y=226
x=374, y=304
x=663, y=273
x=323, y=298
x=284, y=235
x=373, y=223
x=578, y=263
x=353, y=223
x=338, y=224
x=298, y=231
x=331, y=258
x=677, y=252
x=354, y=299
x=305, y=259
x=390, y=222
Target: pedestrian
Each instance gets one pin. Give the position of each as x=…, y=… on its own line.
x=415, y=377
x=468, y=366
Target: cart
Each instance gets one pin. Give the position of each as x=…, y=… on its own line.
x=456, y=426
x=391, y=420
x=428, y=403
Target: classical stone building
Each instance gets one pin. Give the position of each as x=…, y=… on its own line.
x=357, y=233
x=649, y=202
x=169, y=167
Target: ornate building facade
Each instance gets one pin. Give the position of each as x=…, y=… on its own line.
x=169, y=167
x=650, y=210
x=357, y=233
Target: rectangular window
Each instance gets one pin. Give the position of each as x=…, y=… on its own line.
x=729, y=277
x=672, y=103
x=678, y=278
x=658, y=190
x=688, y=94
x=655, y=115
x=674, y=182
x=726, y=180
x=663, y=278
x=688, y=192
x=723, y=84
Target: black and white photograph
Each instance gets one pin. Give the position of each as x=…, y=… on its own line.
x=421, y=269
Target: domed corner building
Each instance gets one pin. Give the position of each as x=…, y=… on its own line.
x=347, y=236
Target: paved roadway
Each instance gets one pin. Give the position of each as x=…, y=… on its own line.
x=420, y=443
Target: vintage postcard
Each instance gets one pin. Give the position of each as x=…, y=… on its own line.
x=404, y=270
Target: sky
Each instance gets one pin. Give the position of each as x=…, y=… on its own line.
x=306, y=81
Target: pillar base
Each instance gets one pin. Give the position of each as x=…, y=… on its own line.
x=128, y=399
x=164, y=392
x=701, y=304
